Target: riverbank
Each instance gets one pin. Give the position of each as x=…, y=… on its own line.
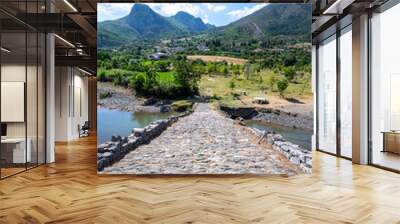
x=293, y=114
x=120, y=98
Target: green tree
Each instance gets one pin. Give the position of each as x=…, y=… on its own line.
x=289, y=72
x=225, y=71
x=236, y=71
x=138, y=82
x=102, y=76
x=282, y=86
x=289, y=60
x=187, y=77
x=247, y=71
x=232, y=84
x=271, y=81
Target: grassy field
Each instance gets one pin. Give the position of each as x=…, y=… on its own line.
x=211, y=58
x=243, y=90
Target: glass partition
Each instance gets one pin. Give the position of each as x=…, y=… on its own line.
x=327, y=95
x=346, y=92
x=385, y=89
x=32, y=98
x=22, y=77
x=13, y=105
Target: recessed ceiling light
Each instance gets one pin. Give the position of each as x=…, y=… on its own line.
x=86, y=72
x=64, y=40
x=5, y=50
x=70, y=5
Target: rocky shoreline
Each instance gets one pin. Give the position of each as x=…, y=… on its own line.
x=123, y=99
x=284, y=118
x=270, y=115
x=293, y=152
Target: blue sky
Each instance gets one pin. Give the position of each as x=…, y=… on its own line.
x=218, y=14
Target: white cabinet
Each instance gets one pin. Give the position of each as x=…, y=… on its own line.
x=19, y=155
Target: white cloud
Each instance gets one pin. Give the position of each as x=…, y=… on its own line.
x=237, y=14
x=214, y=7
x=111, y=11
x=173, y=8
x=205, y=18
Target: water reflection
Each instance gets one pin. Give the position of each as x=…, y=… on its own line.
x=116, y=122
x=296, y=136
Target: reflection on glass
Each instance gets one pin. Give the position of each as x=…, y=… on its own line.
x=14, y=153
x=31, y=98
x=346, y=93
x=385, y=84
x=327, y=95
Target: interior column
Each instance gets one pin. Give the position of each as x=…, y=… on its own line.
x=360, y=90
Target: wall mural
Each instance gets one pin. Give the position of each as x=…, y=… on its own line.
x=204, y=88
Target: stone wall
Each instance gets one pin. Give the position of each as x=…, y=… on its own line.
x=236, y=112
x=114, y=150
x=293, y=152
x=288, y=119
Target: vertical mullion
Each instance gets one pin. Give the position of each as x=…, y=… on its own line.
x=369, y=78
x=316, y=96
x=26, y=85
x=37, y=89
x=338, y=98
x=1, y=53
x=45, y=88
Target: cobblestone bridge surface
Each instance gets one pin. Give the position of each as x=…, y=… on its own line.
x=205, y=142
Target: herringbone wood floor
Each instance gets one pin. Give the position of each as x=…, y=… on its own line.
x=70, y=191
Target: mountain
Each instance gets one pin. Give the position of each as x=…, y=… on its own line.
x=188, y=22
x=273, y=20
x=143, y=23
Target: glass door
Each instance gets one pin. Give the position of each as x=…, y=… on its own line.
x=346, y=92
x=327, y=95
x=385, y=89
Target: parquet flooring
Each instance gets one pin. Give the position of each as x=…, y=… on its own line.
x=70, y=191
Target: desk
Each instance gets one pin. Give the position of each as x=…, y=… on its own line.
x=13, y=150
x=391, y=141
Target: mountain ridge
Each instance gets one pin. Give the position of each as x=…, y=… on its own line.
x=292, y=20
x=144, y=23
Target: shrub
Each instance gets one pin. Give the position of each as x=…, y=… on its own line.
x=289, y=72
x=282, y=86
x=105, y=95
x=271, y=81
x=102, y=76
x=139, y=83
x=232, y=84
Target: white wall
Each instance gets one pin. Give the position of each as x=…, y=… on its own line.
x=71, y=102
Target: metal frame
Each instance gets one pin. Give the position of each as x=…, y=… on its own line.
x=44, y=75
x=337, y=34
x=386, y=6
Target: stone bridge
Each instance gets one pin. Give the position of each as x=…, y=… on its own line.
x=205, y=142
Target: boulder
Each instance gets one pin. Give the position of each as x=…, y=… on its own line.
x=260, y=100
x=165, y=108
x=116, y=138
x=150, y=101
x=138, y=132
x=235, y=112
